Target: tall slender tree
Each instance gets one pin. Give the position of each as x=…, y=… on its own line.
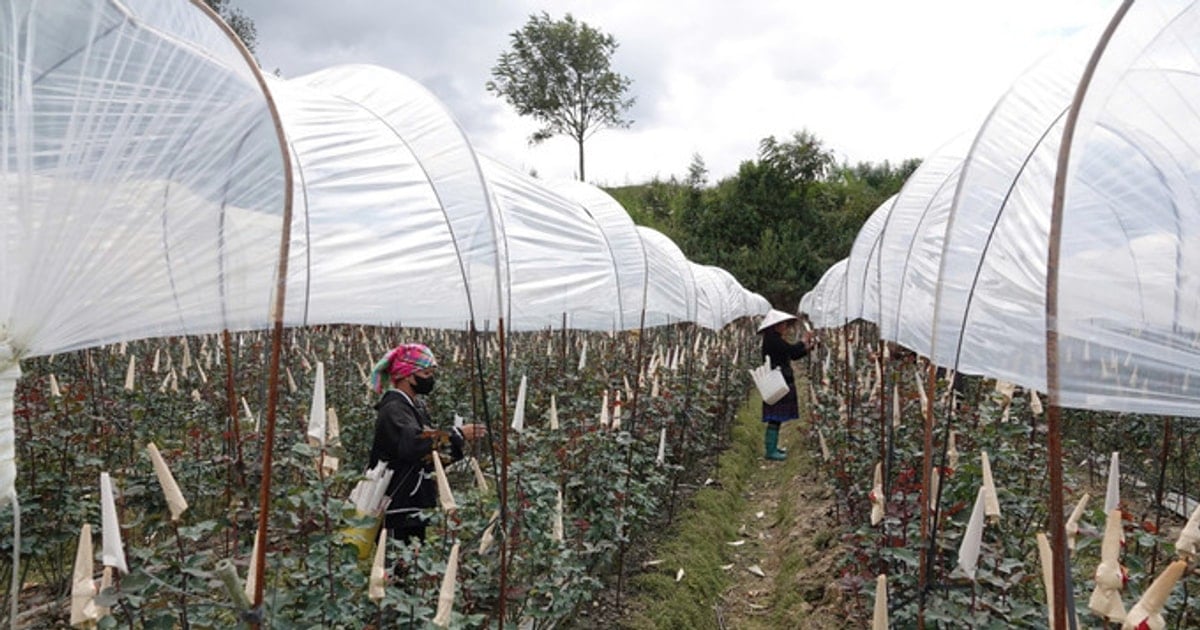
x=238, y=21
x=559, y=72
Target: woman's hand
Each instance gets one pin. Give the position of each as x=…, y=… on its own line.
x=473, y=431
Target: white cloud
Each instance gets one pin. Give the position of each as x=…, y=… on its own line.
x=873, y=79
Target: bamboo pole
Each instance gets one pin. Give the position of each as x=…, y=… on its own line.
x=504, y=537
x=1058, y=533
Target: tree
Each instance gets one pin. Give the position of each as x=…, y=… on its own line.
x=558, y=71
x=239, y=22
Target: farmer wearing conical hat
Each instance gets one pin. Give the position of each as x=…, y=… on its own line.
x=777, y=329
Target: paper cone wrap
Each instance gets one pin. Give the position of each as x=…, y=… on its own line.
x=518, y=421
x=175, y=501
x=488, y=537
x=113, y=553
x=1046, y=558
x=991, y=503
x=83, y=588
x=378, y=581
x=968, y=551
x=1189, y=538
x=317, y=419
x=661, y=458
x=952, y=451
x=879, y=621
x=1146, y=614
x=130, y=377
x=1035, y=403
x=1112, y=493
x=553, y=413
x=556, y=532
x=604, y=415
x=106, y=581
x=446, y=594
x=1110, y=575
x=480, y=481
x=897, y=416
x=876, y=496
x=445, y=497
x=55, y=392
x=1073, y=520
x=252, y=570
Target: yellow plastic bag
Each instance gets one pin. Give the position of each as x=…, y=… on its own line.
x=363, y=538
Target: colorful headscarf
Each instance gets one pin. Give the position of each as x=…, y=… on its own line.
x=400, y=362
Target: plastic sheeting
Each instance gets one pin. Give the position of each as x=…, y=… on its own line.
x=142, y=187
x=1129, y=295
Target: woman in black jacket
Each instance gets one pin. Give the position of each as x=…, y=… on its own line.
x=777, y=327
x=405, y=435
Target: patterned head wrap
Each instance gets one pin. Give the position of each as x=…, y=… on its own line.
x=400, y=362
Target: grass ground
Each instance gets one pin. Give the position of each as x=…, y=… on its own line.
x=757, y=547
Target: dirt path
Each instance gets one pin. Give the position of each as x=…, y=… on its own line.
x=788, y=533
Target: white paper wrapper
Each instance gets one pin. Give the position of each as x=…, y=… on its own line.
x=252, y=570
x=317, y=414
x=1110, y=575
x=446, y=594
x=897, y=416
x=378, y=581
x=83, y=587
x=879, y=621
x=518, y=421
x=480, y=480
x=553, y=413
x=661, y=458
x=616, y=413
x=1046, y=557
x=445, y=497
x=952, y=452
x=935, y=480
x=582, y=358
x=1189, y=538
x=1149, y=608
x=1073, y=520
x=113, y=553
x=106, y=581
x=1112, y=493
x=55, y=392
x=604, y=416
x=1035, y=403
x=488, y=537
x=968, y=551
x=876, y=496
x=991, y=503
x=130, y=374
x=824, y=446
x=556, y=531
x=175, y=501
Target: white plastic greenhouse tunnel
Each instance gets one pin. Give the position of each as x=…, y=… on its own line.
x=1056, y=246
x=155, y=183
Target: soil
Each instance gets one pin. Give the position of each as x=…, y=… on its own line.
x=798, y=556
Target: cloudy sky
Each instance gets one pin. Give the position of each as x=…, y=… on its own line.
x=874, y=80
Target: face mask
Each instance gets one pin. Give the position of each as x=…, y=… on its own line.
x=424, y=385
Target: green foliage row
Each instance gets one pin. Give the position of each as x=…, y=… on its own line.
x=778, y=223
x=861, y=429
x=615, y=492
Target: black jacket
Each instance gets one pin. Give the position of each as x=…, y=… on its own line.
x=782, y=354
x=399, y=423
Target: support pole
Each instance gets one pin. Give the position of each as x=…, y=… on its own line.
x=1058, y=534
